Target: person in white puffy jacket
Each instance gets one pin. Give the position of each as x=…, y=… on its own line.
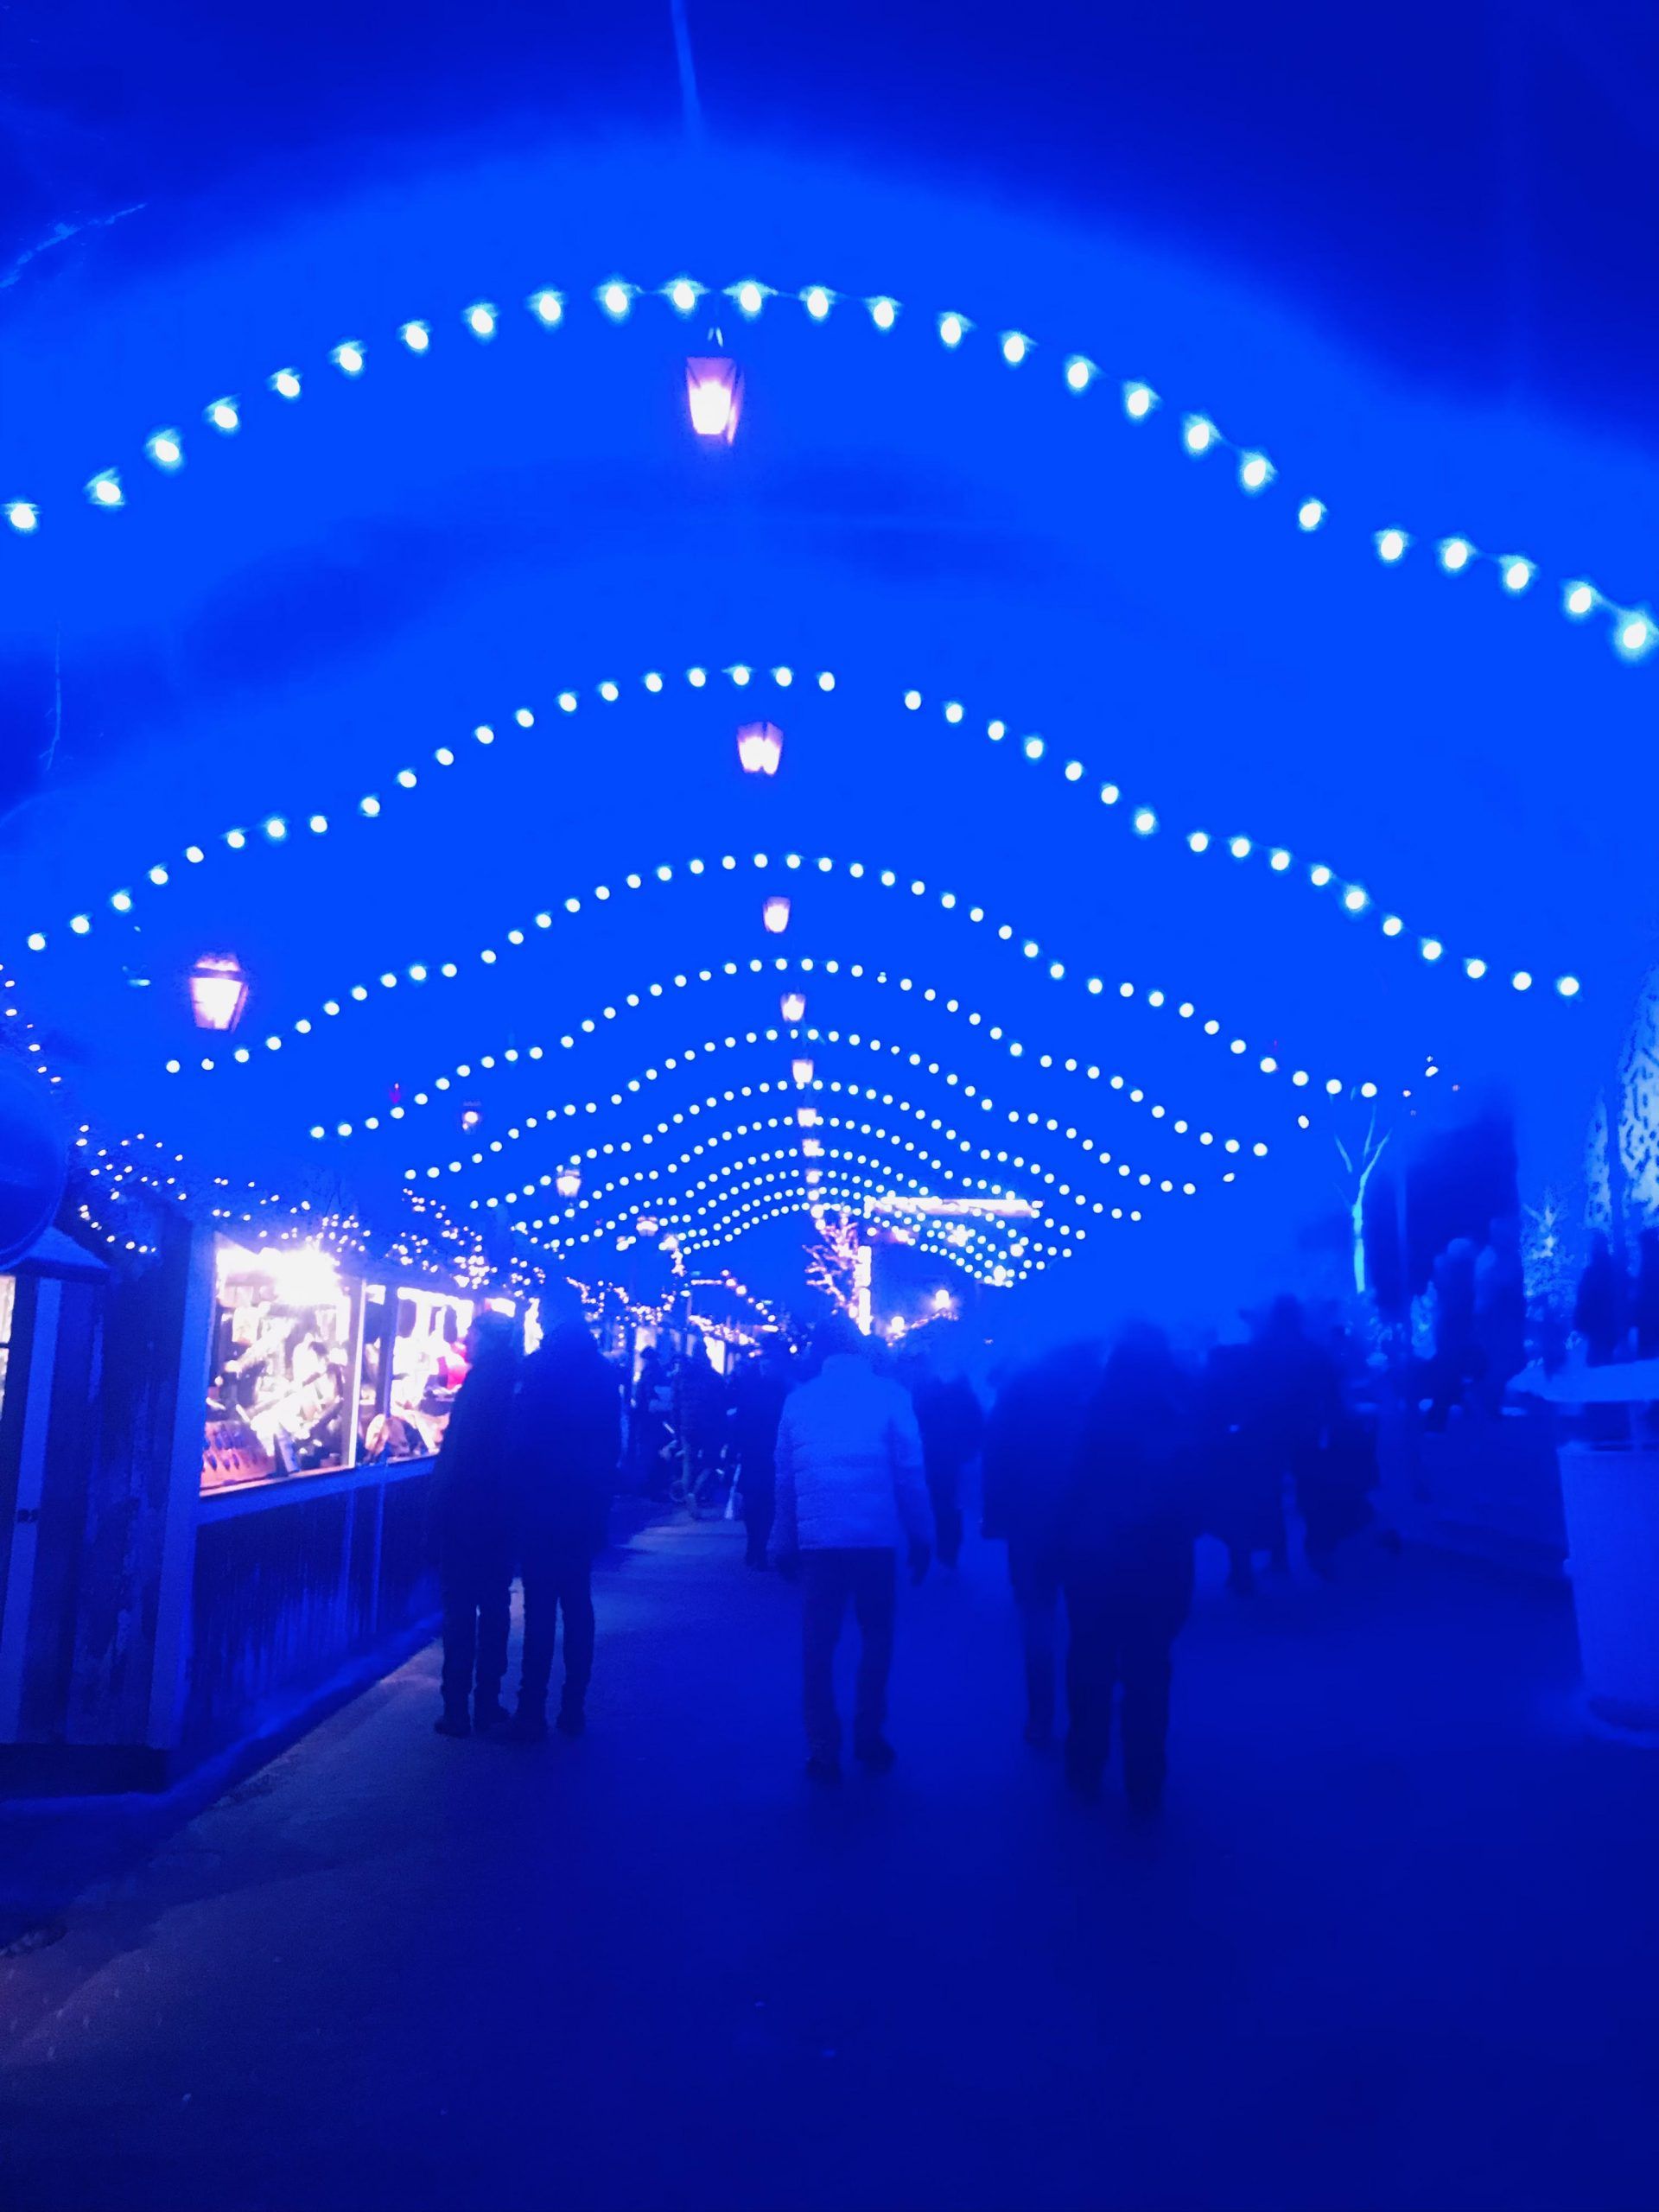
x=850, y=1491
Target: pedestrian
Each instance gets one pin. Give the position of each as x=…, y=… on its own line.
x=1126, y=1525
x=471, y=1529
x=699, y=1418
x=648, y=1424
x=759, y=1389
x=567, y=1440
x=1601, y=1316
x=1500, y=1312
x=850, y=1491
x=1031, y=1443
x=952, y=1423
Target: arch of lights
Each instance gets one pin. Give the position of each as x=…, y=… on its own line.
x=1632, y=630
x=422, y=971
x=279, y=829
x=780, y=965
x=549, y=1127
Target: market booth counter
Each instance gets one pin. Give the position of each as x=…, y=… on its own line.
x=239, y=1463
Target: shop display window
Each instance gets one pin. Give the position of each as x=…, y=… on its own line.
x=414, y=1361
x=8, y=1308
x=285, y=1351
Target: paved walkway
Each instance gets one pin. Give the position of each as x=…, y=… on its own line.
x=1398, y=1944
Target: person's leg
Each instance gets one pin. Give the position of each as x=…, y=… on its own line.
x=759, y=1505
x=541, y=1623
x=1090, y=1679
x=875, y=1580
x=944, y=1484
x=576, y=1597
x=459, y=1646
x=823, y=1602
x=494, y=1621
x=1144, y=1647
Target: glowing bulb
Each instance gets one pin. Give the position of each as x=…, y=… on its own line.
x=1355, y=899
x=1015, y=347
x=1032, y=749
x=286, y=384
x=1145, y=822
x=1200, y=841
x=1079, y=373
x=236, y=839
x=884, y=313
x=1517, y=572
x=105, y=490
x=683, y=295
x=1391, y=544
x=1256, y=472
x=1578, y=599
x=416, y=336
x=818, y=302
x=348, y=359
x=1239, y=848
x=1139, y=400
x=616, y=299
x=1567, y=986
x=481, y=320
x=319, y=824
x=1636, y=636
x=1474, y=970
x=80, y=924
x=370, y=806
x=1522, y=980
x=951, y=329
x=1430, y=948
x=1455, y=553
x=36, y=942
x=1310, y=514
x=223, y=415
x=23, y=516
x=121, y=902
x=696, y=677
x=826, y=681
x=653, y=682
x=1279, y=860
x=1392, y=925
x=548, y=307
x=1319, y=875
x=165, y=449
x=750, y=299
x=276, y=828
x=1198, y=434
x=775, y=916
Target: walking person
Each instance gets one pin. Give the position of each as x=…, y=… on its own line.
x=1126, y=1525
x=1601, y=1311
x=759, y=1389
x=471, y=1530
x=952, y=1423
x=567, y=1440
x=1031, y=1443
x=850, y=1491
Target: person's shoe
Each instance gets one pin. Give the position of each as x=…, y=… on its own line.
x=488, y=1717
x=526, y=1728
x=877, y=1754
x=452, y=1724
x=827, y=1772
x=572, y=1720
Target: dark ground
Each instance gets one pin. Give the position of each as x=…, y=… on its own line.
x=1397, y=1945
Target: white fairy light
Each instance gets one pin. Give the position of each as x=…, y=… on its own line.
x=616, y=298
x=103, y=490
x=348, y=358
x=417, y=336
x=166, y=449
x=481, y=318
x=1517, y=572
x=818, y=302
x=1310, y=514
x=1455, y=553
x=223, y=415
x=1198, y=433
x=952, y=329
x=1080, y=373
x=884, y=312
x=1578, y=599
x=1139, y=400
x=286, y=384
x=547, y=307
x=683, y=295
x=23, y=516
x=1256, y=472
x=1391, y=544
x=1015, y=346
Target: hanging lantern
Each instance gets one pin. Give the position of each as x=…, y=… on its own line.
x=568, y=1182
x=759, y=749
x=814, y=1175
x=647, y=1224
x=714, y=392
x=806, y=1117
x=470, y=1116
x=793, y=1006
x=775, y=915
x=813, y=1147
x=801, y=1070
x=218, y=991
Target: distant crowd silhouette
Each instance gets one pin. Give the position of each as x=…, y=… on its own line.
x=1101, y=1464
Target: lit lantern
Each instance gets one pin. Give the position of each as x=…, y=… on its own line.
x=647, y=1224
x=793, y=1005
x=814, y=1175
x=813, y=1147
x=218, y=991
x=807, y=1116
x=568, y=1182
x=760, y=747
x=471, y=1115
x=714, y=392
x=775, y=915
x=802, y=1072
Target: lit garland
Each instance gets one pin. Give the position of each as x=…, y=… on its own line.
x=1633, y=631
x=280, y=829
x=421, y=971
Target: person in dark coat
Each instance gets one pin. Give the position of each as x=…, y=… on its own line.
x=1126, y=1529
x=567, y=1440
x=1600, y=1315
x=952, y=1422
x=1031, y=1445
x=759, y=1389
x=699, y=1418
x=472, y=1531
x=648, y=1424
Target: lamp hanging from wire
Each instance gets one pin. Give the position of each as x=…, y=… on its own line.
x=218, y=991
x=760, y=747
x=714, y=392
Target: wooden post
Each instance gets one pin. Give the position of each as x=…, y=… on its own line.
x=171, y=1652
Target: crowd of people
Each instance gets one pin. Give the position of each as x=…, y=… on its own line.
x=1101, y=1466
